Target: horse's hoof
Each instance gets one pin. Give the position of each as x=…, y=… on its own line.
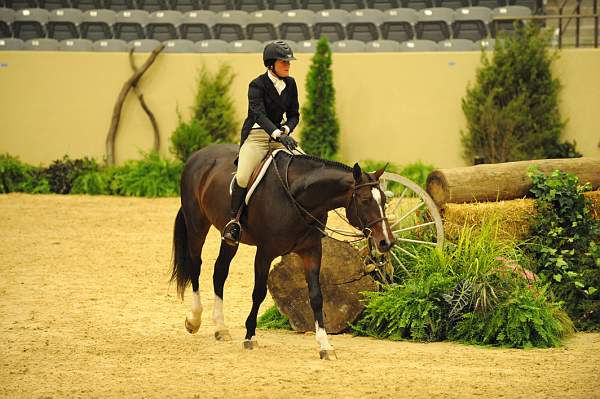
x=222, y=335
x=250, y=344
x=328, y=354
x=190, y=327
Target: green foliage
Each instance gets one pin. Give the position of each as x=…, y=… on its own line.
x=13, y=173
x=148, y=177
x=272, y=319
x=213, y=115
x=414, y=310
x=525, y=318
x=62, y=173
x=94, y=183
x=512, y=111
x=440, y=292
x=565, y=247
x=320, y=127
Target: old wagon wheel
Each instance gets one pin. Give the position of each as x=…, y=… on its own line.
x=415, y=221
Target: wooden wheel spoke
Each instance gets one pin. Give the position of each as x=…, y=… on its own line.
x=416, y=226
x=407, y=214
x=399, y=200
x=416, y=241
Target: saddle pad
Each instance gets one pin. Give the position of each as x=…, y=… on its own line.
x=259, y=176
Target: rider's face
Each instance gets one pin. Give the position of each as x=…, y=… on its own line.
x=282, y=68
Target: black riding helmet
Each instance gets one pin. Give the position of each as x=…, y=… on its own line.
x=278, y=50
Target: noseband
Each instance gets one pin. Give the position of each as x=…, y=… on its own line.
x=365, y=227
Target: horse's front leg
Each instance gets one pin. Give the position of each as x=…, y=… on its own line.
x=311, y=260
x=262, y=263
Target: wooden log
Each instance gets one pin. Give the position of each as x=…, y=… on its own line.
x=342, y=280
x=502, y=181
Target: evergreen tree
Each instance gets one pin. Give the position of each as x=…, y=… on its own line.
x=512, y=110
x=213, y=115
x=320, y=126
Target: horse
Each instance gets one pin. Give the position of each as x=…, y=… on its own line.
x=287, y=213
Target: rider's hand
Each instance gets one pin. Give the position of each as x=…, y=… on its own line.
x=288, y=142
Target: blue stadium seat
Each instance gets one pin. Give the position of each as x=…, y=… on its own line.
x=144, y=45
x=307, y=46
x=11, y=44
x=263, y=25
x=111, y=45
x=331, y=23
x=434, y=23
x=98, y=24
x=418, y=45
x=457, y=45
x=76, y=45
x=348, y=46
x=41, y=44
x=211, y=46
x=364, y=24
x=179, y=46
x=230, y=25
x=131, y=25
x=296, y=25
x=382, y=46
x=197, y=25
x=399, y=24
x=30, y=23
x=245, y=46
x=471, y=23
x=63, y=23
x=164, y=25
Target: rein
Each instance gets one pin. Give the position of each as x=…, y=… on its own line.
x=317, y=223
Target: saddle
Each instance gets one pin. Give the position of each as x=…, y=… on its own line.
x=258, y=174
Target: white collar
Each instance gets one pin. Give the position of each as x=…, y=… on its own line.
x=273, y=77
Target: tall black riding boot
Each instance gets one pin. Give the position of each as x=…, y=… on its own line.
x=232, y=230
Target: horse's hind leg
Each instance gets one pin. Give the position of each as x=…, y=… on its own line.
x=226, y=254
x=195, y=244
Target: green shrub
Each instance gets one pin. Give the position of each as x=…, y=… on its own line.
x=37, y=182
x=63, y=172
x=93, y=183
x=272, y=319
x=213, y=115
x=525, y=318
x=320, y=128
x=414, y=310
x=512, y=110
x=14, y=174
x=469, y=291
x=564, y=245
x=148, y=177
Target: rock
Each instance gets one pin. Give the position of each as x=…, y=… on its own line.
x=342, y=280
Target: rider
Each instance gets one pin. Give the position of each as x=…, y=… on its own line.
x=270, y=95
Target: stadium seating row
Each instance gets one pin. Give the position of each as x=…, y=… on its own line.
x=400, y=24
x=536, y=6
x=241, y=46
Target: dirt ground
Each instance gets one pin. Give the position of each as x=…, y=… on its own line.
x=86, y=311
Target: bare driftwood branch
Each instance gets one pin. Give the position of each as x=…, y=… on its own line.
x=145, y=107
x=131, y=82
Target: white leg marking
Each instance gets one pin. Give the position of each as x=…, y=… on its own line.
x=377, y=195
x=195, y=316
x=321, y=336
x=217, y=315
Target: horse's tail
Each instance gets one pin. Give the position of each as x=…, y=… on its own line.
x=182, y=261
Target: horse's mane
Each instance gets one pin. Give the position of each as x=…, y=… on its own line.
x=326, y=162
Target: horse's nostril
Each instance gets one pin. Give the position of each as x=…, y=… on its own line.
x=384, y=245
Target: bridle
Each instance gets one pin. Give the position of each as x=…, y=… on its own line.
x=317, y=223
x=365, y=227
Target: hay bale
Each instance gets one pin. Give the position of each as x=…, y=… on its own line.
x=513, y=216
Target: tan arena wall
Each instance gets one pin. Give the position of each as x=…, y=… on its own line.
x=400, y=107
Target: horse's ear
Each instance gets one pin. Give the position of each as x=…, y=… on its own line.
x=356, y=172
x=379, y=172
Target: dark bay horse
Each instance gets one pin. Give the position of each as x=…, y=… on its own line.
x=272, y=223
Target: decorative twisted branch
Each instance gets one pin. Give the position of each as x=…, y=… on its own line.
x=128, y=85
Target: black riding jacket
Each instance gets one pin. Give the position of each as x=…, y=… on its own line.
x=266, y=107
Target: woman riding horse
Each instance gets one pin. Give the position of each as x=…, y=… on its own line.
x=270, y=95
